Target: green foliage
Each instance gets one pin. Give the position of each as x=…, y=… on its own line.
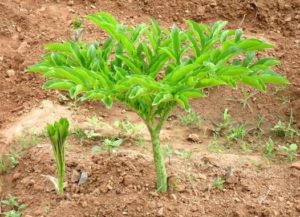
x=226, y=123
x=269, y=149
x=284, y=130
x=168, y=152
x=219, y=183
x=151, y=69
x=190, y=118
x=58, y=133
x=129, y=129
x=215, y=146
x=245, y=148
x=291, y=151
x=16, y=208
x=111, y=144
x=78, y=27
x=14, y=157
x=187, y=154
x=237, y=133
x=3, y=165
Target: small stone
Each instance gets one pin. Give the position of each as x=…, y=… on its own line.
x=160, y=212
x=16, y=176
x=83, y=178
x=281, y=199
x=70, y=3
x=38, y=187
x=23, y=47
x=75, y=176
x=109, y=187
x=296, y=165
x=173, y=196
x=84, y=204
x=202, y=176
x=288, y=19
x=10, y=72
x=194, y=138
x=298, y=207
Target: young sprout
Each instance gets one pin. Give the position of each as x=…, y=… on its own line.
x=111, y=144
x=191, y=118
x=237, y=133
x=215, y=146
x=245, y=148
x=269, y=148
x=152, y=69
x=78, y=28
x=245, y=98
x=226, y=123
x=17, y=208
x=129, y=129
x=168, y=152
x=58, y=133
x=291, y=151
x=219, y=183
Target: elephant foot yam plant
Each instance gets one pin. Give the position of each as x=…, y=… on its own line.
x=58, y=133
x=151, y=69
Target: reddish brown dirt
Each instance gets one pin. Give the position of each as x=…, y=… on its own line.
x=123, y=184
x=26, y=25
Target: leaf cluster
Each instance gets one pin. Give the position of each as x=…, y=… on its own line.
x=151, y=68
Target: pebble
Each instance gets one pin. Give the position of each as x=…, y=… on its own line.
x=75, y=176
x=16, y=176
x=160, y=212
x=194, y=138
x=84, y=204
x=70, y=3
x=10, y=72
x=296, y=165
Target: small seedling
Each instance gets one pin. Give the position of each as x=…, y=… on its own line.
x=97, y=149
x=269, y=148
x=58, y=133
x=111, y=144
x=245, y=148
x=28, y=140
x=3, y=165
x=168, y=151
x=96, y=122
x=291, y=151
x=246, y=96
x=259, y=121
x=219, y=183
x=16, y=208
x=191, y=118
x=226, y=123
x=78, y=28
x=187, y=154
x=283, y=130
x=129, y=129
x=215, y=146
x=14, y=157
x=237, y=133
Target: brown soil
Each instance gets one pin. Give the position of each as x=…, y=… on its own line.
x=123, y=184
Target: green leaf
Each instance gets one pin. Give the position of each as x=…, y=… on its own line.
x=57, y=84
x=254, y=44
x=162, y=97
x=136, y=91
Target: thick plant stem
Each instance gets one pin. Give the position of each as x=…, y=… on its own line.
x=161, y=173
x=61, y=184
